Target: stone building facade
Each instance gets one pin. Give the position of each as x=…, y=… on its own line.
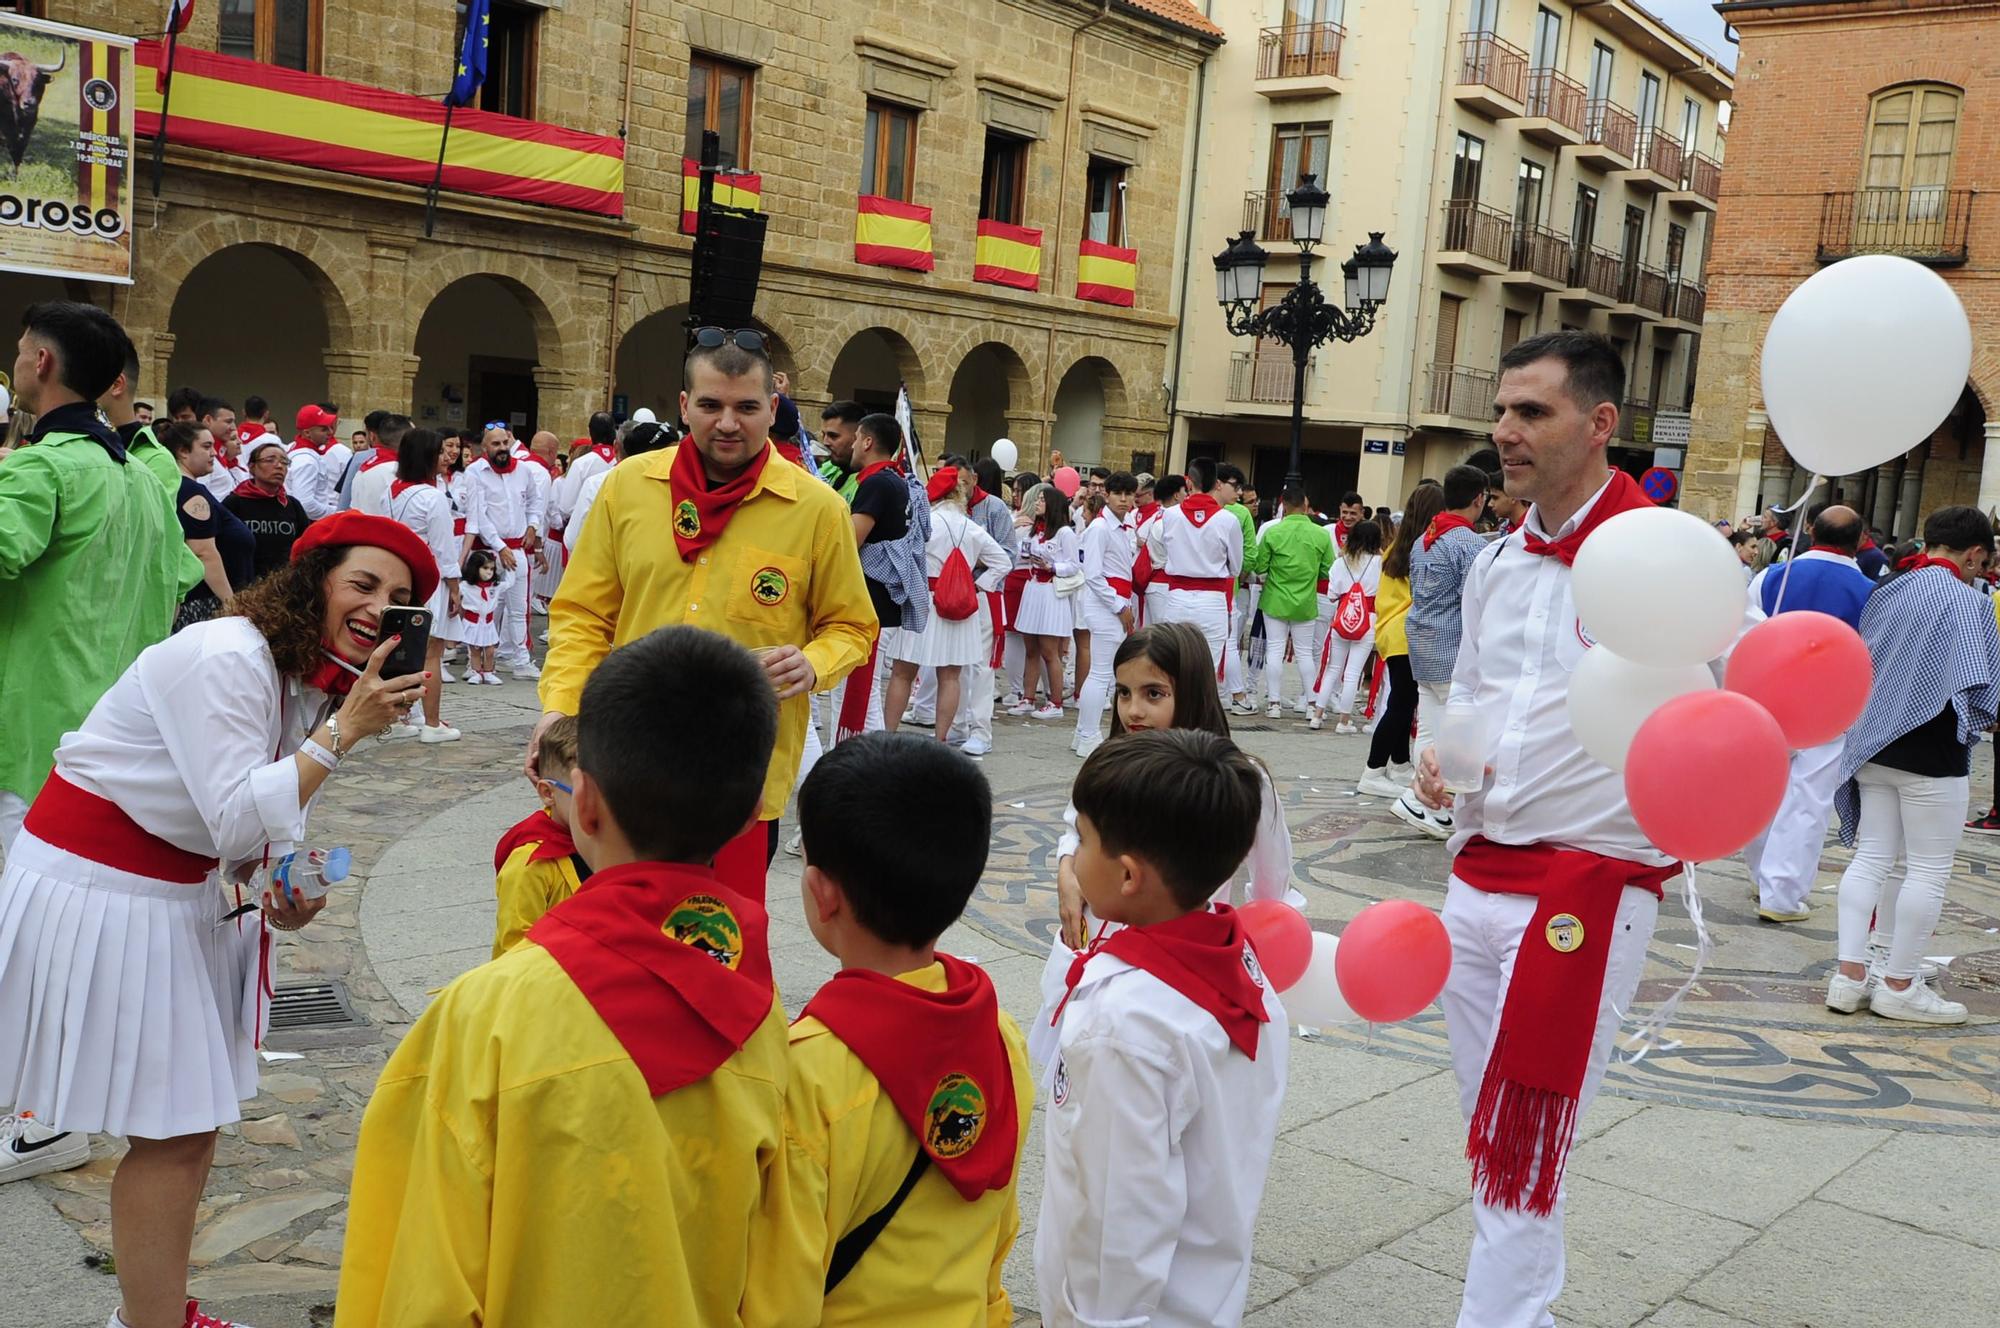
x=301, y=284
x=1859, y=128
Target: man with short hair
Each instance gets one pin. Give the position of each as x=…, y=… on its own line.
x=885, y=517
x=1439, y=562
x=1506, y=509
x=368, y=447
x=838, y=423
x=219, y=418
x=311, y=475
x=1352, y=512
x=503, y=511
x=256, y=421
x=711, y=534
x=592, y=455
x=184, y=404
x=140, y=443
x=376, y=470
x=1094, y=482
x=1196, y=553
x=1294, y=556
x=144, y=411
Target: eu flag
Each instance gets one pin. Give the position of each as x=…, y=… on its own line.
x=471, y=57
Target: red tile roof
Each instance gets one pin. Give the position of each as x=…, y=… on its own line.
x=1179, y=13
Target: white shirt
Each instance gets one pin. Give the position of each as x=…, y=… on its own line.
x=563, y=501
x=372, y=479
x=1157, y=1138
x=586, y=498
x=426, y=509
x=336, y=463
x=952, y=529
x=311, y=479
x=1062, y=550
x=215, y=780
x=223, y=477
x=501, y=507
x=542, y=479
x=1108, y=551
x=1181, y=548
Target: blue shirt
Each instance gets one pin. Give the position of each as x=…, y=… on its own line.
x=1437, y=591
x=1823, y=582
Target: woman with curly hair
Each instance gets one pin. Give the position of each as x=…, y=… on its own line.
x=132, y=972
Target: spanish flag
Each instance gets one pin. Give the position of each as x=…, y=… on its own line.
x=1008, y=255
x=888, y=233
x=1107, y=274
x=732, y=189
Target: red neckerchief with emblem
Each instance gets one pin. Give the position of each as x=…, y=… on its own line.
x=1441, y=523
x=1622, y=494
x=550, y=838
x=381, y=456
x=605, y=453
x=1198, y=508
x=942, y=1061
x=677, y=965
x=1205, y=956
x=702, y=513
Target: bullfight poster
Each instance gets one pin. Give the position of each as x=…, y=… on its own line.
x=66, y=122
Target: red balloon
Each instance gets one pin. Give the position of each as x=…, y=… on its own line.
x=1705, y=774
x=1810, y=670
x=1067, y=479
x=1282, y=938
x=1392, y=961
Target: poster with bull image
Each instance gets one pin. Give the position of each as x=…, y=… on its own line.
x=66, y=154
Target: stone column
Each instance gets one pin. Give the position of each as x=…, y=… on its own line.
x=1989, y=470
x=1750, y=477
x=1888, y=486
x=1910, y=500
x=153, y=377
x=562, y=398
x=930, y=419
x=593, y=359
x=348, y=386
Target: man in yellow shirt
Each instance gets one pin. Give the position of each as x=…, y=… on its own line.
x=909, y=1096
x=581, y=1131
x=708, y=534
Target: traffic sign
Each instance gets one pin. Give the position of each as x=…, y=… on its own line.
x=1660, y=485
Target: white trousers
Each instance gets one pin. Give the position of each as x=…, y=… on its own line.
x=1784, y=860
x=1014, y=659
x=1304, y=639
x=1921, y=818
x=1208, y=612
x=1431, y=700
x=1156, y=593
x=1515, y=1269
x=510, y=613
x=13, y=812
x=1095, y=691
x=1341, y=674
x=1232, y=658
x=815, y=747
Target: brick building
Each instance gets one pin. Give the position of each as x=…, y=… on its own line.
x=1859, y=127
x=1061, y=116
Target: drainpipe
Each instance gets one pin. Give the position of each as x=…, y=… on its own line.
x=1070, y=114
x=1188, y=258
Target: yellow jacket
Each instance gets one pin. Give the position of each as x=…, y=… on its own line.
x=1392, y=607
x=527, y=890
x=847, y=1149
x=513, y=1169
x=786, y=571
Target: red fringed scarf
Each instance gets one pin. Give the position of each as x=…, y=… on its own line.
x=1440, y=523
x=1525, y=1119
x=702, y=513
x=1622, y=494
x=1205, y=956
x=940, y=1059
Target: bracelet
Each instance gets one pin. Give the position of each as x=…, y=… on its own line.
x=314, y=752
x=275, y=925
x=333, y=732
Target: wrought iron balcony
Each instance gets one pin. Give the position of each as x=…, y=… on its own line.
x=1479, y=233
x=1610, y=135
x=1928, y=225
x=1704, y=176
x=1541, y=256
x=1263, y=376
x=1266, y=214
x=1492, y=74
x=1689, y=303
x=1300, y=50
x=1460, y=391
x=1596, y=274
x=1659, y=162
x=1556, y=108
x=1643, y=289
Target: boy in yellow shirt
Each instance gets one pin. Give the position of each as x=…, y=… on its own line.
x=909, y=1094
x=536, y=865
x=581, y=1131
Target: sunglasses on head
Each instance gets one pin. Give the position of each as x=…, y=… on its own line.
x=491, y=425
x=743, y=338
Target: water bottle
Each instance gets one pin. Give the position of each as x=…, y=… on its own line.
x=313, y=875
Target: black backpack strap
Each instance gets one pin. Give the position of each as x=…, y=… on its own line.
x=582, y=867
x=848, y=1251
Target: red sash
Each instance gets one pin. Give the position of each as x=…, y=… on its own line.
x=1525, y=1120
x=97, y=829
x=996, y=611
x=1206, y=956
x=1119, y=584
x=942, y=1061
x=550, y=839
x=1010, y=597
x=1623, y=494
x=675, y=963
x=860, y=685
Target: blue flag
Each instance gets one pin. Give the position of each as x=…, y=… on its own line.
x=472, y=57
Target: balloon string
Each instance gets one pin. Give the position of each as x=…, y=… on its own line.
x=1651, y=1035
x=1797, y=535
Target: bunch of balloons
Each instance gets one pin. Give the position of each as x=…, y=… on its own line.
x=1390, y=962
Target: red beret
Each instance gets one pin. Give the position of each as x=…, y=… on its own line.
x=346, y=529
x=943, y=481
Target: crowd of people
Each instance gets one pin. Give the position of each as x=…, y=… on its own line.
x=740, y=614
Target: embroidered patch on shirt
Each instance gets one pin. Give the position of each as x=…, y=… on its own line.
x=769, y=586
x=956, y=1116
x=1059, y=1093
x=705, y=922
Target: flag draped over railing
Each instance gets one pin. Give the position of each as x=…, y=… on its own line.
x=892, y=233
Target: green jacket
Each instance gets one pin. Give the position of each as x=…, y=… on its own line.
x=843, y=482
x=1248, y=521
x=90, y=572
x=149, y=451
x=1294, y=556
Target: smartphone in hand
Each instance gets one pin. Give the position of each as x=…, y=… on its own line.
x=413, y=623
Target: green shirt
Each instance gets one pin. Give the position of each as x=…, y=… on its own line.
x=90, y=572
x=1249, y=523
x=1294, y=556
x=843, y=482
x=149, y=451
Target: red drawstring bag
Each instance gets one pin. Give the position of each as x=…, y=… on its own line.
x=954, y=597
x=1351, y=612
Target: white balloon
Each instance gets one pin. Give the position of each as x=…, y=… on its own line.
x=1610, y=697
x=1863, y=361
x=645, y=415
x=1006, y=453
x=1315, y=999
x=1660, y=587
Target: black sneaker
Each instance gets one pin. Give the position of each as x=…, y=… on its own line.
x=1988, y=824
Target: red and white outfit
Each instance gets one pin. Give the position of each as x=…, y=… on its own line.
x=1044, y=612
x=543, y=476
x=480, y=604
x=225, y=475
x=1108, y=550
x=1341, y=659
x=1151, y=588
x=500, y=510
x=426, y=509
x=565, y=511
x=130, y=1011
x=313, y=477
x=1197, y=551
x=370, y=493
x=944, y=642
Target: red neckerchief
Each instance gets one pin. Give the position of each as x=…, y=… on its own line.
x=398, y=487
x=677, y=964
x=1442, y=522
x=530, y=456
x=252, y=489
x=605, y=453
x=381, y=456
x=1199, y=507
x=940, y=1059
x=1828, y=548
x=791, y=452
x=1525, y=1120
x=550, y=838
x=871, y=469
x=1147, y=511
x=702, y=513
x=1205, y=956
x=1918, y=561
x=1623, y=494
x=250, y=431
x=301, y=445
x=1866, y=544
x=331, y=677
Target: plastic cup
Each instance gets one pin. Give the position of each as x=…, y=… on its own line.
x=1460, y=743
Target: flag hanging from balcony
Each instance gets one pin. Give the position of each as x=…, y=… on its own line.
x=471, y=71
x=1008, y=255
x=1106, y=273
x=732, y=189
x=888, y=233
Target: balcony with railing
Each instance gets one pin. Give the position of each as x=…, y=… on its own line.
x=1642, y=291
x=1263, y=376
x=1687, y=305
x=1595, y=277
x=1555, y=113
x=1610, y=136
x=1461, y=394
x=1541, y=259
x=1657, y=164
x=1300, y=60
x=1701, y=184
x=1928, y=225
x=1635, y=422
x=1492, y=75
x=1267, y=215
x=1478, y=240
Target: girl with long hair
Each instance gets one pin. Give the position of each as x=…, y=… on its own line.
x=1350, y=637
x=1050, y=549
x=1389, y=767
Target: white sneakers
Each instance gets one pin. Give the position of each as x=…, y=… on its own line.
x=977, y=746
x=1378, y=783
x=439, y=733
x=401, y=731
x=30, y=1148
x=490, y=679
x=1241, y=708
x=1844, y=994
x=1917, y=1003
x=1047, y=712
x=527, y=669
x=445, y=674
x=1083, y=744
x=1438, y=825
x=1276, y=710
x=1345, y=726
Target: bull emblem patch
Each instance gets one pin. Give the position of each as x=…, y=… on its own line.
x=769, y=586
x=705, y=923
x=955, y=1118
x=687, y=520
x=1565, y=933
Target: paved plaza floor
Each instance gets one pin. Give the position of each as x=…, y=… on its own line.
x=1782, y=1166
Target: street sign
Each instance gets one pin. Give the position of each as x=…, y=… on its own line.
x=1397, y=447
x=1660, y=485
x=1376, y=446
x=1668, y=458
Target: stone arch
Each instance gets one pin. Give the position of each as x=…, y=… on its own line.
x=547, y=302
x=481, y=342
x=315, y=254
x=909, y=337
x=869, y=362
x=1089, y=397
x=216, y=343
x=992, y=395
x=647, y=367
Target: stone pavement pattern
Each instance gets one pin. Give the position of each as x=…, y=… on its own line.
x=1781, y=1166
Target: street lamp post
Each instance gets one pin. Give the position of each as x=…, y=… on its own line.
x=1303, y=319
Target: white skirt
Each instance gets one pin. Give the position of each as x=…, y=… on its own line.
x=1043, y=612
x=444, y=623
x=952, y=644
x=481, y=633
x=124, y=1009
